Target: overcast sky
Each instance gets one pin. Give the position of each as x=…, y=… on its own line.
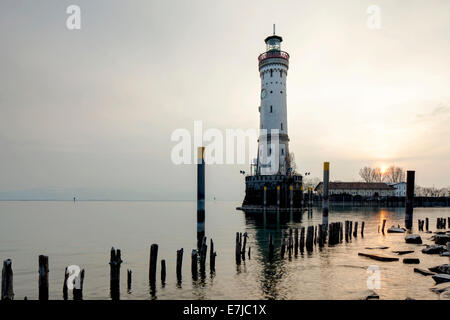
x=90, y=112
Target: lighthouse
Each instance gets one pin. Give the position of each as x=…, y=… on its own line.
x=274, y=183
x=273, y=143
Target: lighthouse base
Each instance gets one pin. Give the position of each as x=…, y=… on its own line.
x=272, y=197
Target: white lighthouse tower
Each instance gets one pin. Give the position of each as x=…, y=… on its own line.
x=273, y=143
x=273, y=184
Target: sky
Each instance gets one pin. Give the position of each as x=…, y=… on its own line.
x=90, y=112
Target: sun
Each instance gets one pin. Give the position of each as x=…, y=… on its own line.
x=383, y=169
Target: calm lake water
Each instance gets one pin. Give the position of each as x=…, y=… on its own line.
x=83, y=233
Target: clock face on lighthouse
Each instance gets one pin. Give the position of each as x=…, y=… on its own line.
x=263, y=93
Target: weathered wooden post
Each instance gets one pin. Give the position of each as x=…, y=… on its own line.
x=238, y=249
x=203, y=252
x=427, y=224
x=271, y=249
x=302, y=239
x=200, y=196
x=278, y=196
x=163, y=272
x=249, y=250
x=409, y=199
x=129, y=280
x=320, y=236
x=244, y=246
x=7, y=280
x=346, y=230
x=350, y=230
x=296, y=241
x=194, y=263
x=362, y=229
x=153, y=263
x=355, y=230
x=43, y=277
x=325, y=202
x=315, y=235
x=384, y=225
x=179, y=264
x=65, y=288
x=114, y=263
x=212, y=257
x=78, y=286
x=309, y=239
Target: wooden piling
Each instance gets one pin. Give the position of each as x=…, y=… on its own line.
x=362, y=229
x=65, y=288
x=212, y=257
x=153, y=263
x=43, y=277
x=179, y=264
x=302, y=239
x=355, y=230
x=350, y=230
x=427, y=224
x=315, y=235
x=238, y=249
x=203, y=252
x=309, y=239
x=347, y=224
x=194, y=263
x=384, y=225
x=129, y=279
x=320, y=235
x=249, y=250
x=410, y=177
x=296, y=241
x=244, y=246
x=114, y=263
x=7, y=280
x=163, y=272
x=200, y=195
x=325, y=202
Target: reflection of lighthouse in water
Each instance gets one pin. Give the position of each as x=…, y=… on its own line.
x=273, y=149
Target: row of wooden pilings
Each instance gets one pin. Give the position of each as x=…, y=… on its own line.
x=296, y=240
x=198, y=266
x=441, y=223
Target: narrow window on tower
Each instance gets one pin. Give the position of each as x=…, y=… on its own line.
x=282, y=126
x=281, y=73
x=282, y=152
x=271, y=73
x=270, y=151
x=270, y=109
